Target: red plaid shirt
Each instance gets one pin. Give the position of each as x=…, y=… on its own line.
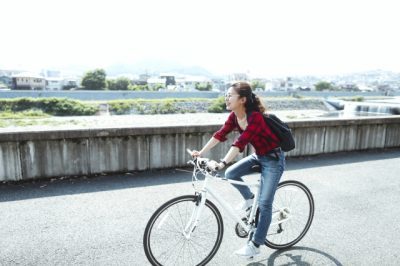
x=257, y=133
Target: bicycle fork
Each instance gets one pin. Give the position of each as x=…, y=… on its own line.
x=196, y=213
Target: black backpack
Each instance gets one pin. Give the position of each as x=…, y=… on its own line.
x=281, y=130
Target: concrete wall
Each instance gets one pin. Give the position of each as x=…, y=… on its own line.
x=44, y=154
x=107, y=95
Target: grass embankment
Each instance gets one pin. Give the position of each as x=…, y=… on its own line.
x=29, y=118
x=20, y=118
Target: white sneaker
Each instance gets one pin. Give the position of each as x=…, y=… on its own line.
x=245, y=205
x=249, y=251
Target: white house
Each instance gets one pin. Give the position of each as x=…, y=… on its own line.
x=188, y=82
x=28, y=81
x=54, y=84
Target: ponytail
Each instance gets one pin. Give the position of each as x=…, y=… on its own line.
x=253, y=102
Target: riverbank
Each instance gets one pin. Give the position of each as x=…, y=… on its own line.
x=111, y=121
x=287, y=107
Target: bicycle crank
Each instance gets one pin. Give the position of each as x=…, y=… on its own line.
x=240, y=231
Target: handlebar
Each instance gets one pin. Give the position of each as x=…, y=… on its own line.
x=201, y=164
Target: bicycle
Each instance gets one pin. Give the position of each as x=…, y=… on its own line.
x=188, y=229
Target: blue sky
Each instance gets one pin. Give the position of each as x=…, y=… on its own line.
x=263, y=38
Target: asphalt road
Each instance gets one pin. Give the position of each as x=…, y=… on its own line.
x=101, y=220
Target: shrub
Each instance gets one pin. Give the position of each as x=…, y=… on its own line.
x=353, y=99
x=218, y=106
x=51, y=106
x=66, y=107
x=167, y=107
x=159, y=106
x=120, y=107
x=358, y=99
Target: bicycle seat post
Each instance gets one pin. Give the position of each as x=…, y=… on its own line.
x=256, y=168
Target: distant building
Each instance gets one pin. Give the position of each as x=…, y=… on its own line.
x=169, y=79
x=235, y=77
x=349, y=87
x=54, y=84
x=55, y=81
x=141, y=80
x=28, y=81
x=189, y=83
x=218, y=84
x=156, y=83
x=177, y=83
x=365, y=88
x=70, y=83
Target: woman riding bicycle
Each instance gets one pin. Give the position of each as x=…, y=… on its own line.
x=247, y=117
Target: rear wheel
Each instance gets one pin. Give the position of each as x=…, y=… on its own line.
x=292, y=215
x=166, y=242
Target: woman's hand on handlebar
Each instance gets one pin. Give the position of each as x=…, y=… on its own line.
x=211, y=164
x=215, y=166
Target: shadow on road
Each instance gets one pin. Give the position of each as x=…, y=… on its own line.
x=340, y=158
x=303, y=256
x=68, y=186
x=76, y=185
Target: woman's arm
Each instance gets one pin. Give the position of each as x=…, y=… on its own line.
x=232, y=153
x=210, y=144
x=219, y=136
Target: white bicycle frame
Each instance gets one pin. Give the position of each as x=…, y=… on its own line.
x=205, y=190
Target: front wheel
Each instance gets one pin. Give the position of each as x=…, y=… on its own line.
x=292, y=215
x=166, y=240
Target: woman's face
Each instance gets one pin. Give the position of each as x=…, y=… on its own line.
x=233, y=101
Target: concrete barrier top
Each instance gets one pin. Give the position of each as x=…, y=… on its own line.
x=368, y=120
x=53, y=134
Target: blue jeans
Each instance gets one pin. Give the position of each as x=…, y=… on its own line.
x=271, y=172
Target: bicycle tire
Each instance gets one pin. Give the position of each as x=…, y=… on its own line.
x=160, y=251
x=280, y=237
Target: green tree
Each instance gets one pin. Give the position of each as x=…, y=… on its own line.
x=203, y=86
x=135, y=87
x=257, y=84
x=121, y=84
x=323, y=85
x=111, y=84
x=156, y=87
x=94, y=80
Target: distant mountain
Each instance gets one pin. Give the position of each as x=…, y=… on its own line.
x=155, y=67
x=369, y=76
x=151, y=67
